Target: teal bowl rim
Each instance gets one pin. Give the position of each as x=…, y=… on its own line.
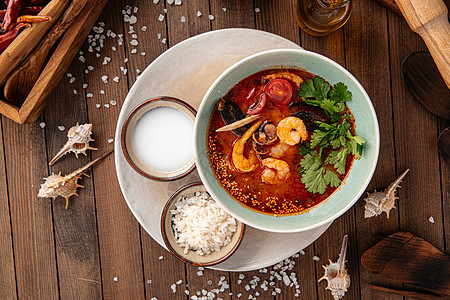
x=237, y=210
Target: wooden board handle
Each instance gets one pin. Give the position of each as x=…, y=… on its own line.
x=429, y=20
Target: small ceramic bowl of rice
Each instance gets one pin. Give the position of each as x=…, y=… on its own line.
x=197, y=230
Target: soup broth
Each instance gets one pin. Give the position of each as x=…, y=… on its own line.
x=267, y=176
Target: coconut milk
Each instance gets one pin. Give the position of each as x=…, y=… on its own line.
x=162, y=139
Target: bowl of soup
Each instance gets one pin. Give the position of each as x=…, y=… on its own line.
x=286, y=140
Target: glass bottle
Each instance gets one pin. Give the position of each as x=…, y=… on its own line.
x=321, y=17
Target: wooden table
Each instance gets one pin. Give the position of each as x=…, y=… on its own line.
x=96, y=248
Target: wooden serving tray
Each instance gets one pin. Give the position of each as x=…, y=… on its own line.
x=57, y=64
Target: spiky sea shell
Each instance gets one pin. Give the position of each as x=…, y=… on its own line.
x=336, y=275
x=65, y=186
x=79, y=138
x=379, y=202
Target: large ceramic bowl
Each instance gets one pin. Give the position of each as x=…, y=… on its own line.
x=366, y=125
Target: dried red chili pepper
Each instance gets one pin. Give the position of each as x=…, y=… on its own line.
x=35, y=2
x=7, y=38
x=32, y=19
x=12, y=12
x=30, y=10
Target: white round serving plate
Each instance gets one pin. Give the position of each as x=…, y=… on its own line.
x=186, y=71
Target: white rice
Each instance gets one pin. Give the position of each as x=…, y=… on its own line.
x=200, y=224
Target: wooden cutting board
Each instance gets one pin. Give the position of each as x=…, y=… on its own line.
x=56, y=66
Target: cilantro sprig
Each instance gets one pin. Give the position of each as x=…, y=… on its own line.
x=320, y=170
x=331, y=99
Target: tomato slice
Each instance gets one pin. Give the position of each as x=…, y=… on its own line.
x=279, y=91
x=258, y=106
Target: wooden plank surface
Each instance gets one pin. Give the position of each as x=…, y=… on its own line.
x=47, y=249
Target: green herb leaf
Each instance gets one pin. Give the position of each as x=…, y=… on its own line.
x=307, y=89
x=314, y=181
x=339, y=93
x=322, y=88
x=332, y=179
x=311, y=161
x=305, y=149
x=338, y=158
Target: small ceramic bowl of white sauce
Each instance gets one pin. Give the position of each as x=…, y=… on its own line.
x=157, y=138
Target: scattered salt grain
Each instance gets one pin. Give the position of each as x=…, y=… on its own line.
x=143, y=53
x=178, y=2
x=134, y=51
x=149, y=281
x=239, y=295
x=116, y=279
x=69, y=75
x=110, y=141
x=316, y=258
x=116, y=79
x=199, y=273
x=183, y=19
x=105, y=79
x=97, y=105
x=199, y=13
x=161, y=17
x=75, y=92
x=134, y=42
x=159, y=36
x=90, y=68
x=211, y=17
x=201, y=268
x=113, y=103
x=154, y=298
x=155, y=1
x=135, y=9
x=302, y=252
x=138, y=71
x=209, y=282
x=85, y=85
x=224, y=8
x=174, y=288
x=247, y=287
x=170, y=2
x=125, y=60
x=97, y=55
x=89, y=95
x=42, y=124
x=278, y=290
x=179, y=281
x=257, y=10
x=72, y=80
x=431, y=219
x=144, y=28
x=165, y=10
x=106, y=105
x=163, y=40
x=102, y=92
x=113, y=48
x=161, y=257
x=186, y=292
x=82, y=59
x=133, y=20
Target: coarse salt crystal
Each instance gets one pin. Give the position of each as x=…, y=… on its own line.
x=178, y=2
x=163, y=40
x=113, y=48
x=42, y=124
x=159, y=36
x=170, y=2
x=133, y=51
x=161, y=257
x=72, y=80
x=97, y=105
x=133, y=19
x=165, y=10
x=75, y=92
x=89, y=95
x=431, y=219
x=106, y=105
x=97, y=55
x=102, y=92
x=257, y=10
x=116, y=279
x=113, y=103
x=155, y=1
x=199, y=13
x=149, y=281
x=69, y=75
x=125, y=60
x=90, y=68
x=316, y=258
x=135, y=9
x=61, y=128
x=134, y=42
x=116, y=79
x=143, y=53
x=134, y=36
x=199, y=273
x=144, y=28
x=82, y=59
x=211, y=17
x=138, y=71
x=110, y=141
x=85, y=85
x=183, y=19
x=224, y=8
x=161, y=17
x=105, y=79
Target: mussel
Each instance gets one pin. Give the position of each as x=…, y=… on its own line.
x=231, y=113
x=266, y=135
x=308, y=117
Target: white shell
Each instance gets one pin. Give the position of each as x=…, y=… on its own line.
x=79, y=138
x=65, y=186
x=379, y=202
x=336, y=275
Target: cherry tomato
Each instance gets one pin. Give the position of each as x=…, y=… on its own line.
x=279, y=91
x=258, y=106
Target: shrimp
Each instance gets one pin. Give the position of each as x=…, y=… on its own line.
x=286, y=75
x=276, y=170
x=241, y=162
x=291, y=131
x=279, y=150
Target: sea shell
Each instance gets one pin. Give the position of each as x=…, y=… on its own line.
x=336, y=275
x=379, y=202
x=79, y=138
x=65, y=186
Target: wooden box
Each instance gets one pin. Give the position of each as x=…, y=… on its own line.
x=57, y=63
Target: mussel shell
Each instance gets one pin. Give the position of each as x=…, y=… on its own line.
x=260, y=149
x=231, y=113
x=266, y=134
x=309, y=118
